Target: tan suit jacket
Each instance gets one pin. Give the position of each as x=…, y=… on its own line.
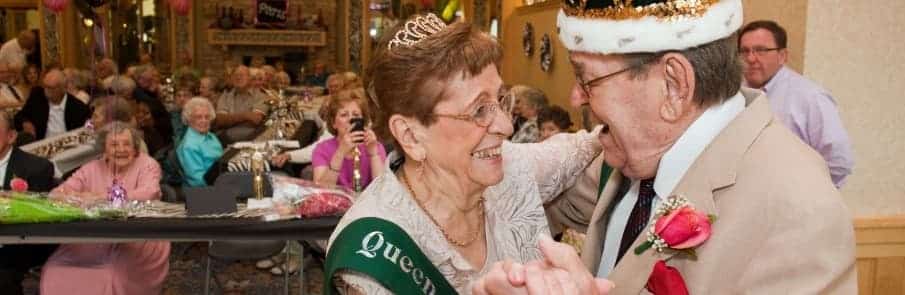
x=782, y=227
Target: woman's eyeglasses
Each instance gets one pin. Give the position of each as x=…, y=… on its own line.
x=485, y=113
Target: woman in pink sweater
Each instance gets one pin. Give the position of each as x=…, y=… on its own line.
x=120, y=268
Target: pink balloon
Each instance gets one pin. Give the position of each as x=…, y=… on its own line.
x=181, y=7
x=56, y=6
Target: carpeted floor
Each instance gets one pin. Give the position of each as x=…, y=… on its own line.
x=186, y=276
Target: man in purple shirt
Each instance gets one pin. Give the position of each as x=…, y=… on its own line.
x=802, y=105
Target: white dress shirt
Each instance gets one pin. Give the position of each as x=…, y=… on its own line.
x=4, y=163
x=56, y=118
x=13, y=54
x=673, y=165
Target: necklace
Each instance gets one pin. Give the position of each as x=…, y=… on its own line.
x=473, y=235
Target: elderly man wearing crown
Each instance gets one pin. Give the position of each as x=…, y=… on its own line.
x=699, y=189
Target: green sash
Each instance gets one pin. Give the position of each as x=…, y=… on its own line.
x=383, y=251
x=605, y=172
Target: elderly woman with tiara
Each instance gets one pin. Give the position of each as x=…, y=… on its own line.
x=455, y=197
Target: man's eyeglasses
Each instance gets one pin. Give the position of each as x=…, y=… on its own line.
x=484, y=114
x=758, y=51
x=587, y=85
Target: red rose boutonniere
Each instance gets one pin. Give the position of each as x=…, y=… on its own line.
x=678, y=227
x=18, y=184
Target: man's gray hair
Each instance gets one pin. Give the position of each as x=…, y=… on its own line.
x=122, y=86
x=533, y=96
x=717, y=69
x=194, y=103
x=141, y=70
x=117, y=127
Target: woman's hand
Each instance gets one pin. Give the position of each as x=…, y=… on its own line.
x=279, y=160
x=371, y=142
x=350, y=141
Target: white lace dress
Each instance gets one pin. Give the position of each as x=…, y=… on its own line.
x=533, y=175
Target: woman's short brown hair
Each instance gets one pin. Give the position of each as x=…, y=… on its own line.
x=336, y=101
x=409, y=80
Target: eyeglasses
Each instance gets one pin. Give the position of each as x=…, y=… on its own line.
x=485, y=113
x=758, y=51
x=587, y=85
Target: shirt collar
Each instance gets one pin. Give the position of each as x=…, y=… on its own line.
x=62, y=104
x=691, y=144
x=5, y=159
x=778, y=76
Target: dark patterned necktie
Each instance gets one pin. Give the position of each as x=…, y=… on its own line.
x=637, y=221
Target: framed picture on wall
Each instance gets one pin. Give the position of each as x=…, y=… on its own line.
x=528, y=39
x=546, y=53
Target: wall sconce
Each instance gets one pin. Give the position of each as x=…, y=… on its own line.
x=87, y=22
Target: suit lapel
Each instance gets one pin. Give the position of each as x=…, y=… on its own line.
x=713, y=170
x=596, y=229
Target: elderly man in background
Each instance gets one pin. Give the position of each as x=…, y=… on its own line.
x=148, y=92
x=9, y=95
x=241, y=110
x=76, y=84
x=50, y=110
x=15, y=51
x=529, y=102
x=105, y=70
x=16, y=260
x=319, y=76
x=679, y=130
x=803, y=106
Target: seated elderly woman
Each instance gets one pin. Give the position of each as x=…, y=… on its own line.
x=185, y=89
x=458, y=195
x=333, y=159
x=111, y=108
x=199, y=148
x=121, y=268
x=529, y=102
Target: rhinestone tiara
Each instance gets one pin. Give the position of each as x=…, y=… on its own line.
x=415, y=30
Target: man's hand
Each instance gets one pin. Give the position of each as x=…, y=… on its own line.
x=254, y=118
x=29, y=128
x=561, y=272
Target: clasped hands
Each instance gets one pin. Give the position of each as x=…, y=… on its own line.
x=559, y=272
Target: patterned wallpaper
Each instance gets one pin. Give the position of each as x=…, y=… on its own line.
x=860, y=62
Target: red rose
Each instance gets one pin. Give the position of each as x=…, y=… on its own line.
x=683, y=228
x=18, y=185
x=665, y=279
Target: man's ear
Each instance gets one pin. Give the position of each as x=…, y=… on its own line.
x=680, y=83
x=407, y=132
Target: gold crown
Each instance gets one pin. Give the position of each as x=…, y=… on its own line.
x=415, y=30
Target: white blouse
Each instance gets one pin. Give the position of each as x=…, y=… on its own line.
x=534, y=174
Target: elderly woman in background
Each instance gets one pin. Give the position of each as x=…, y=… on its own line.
x=199, y=148
x=466, y=197
x=121, y=268
x=123, y=86
x=30, y=78
x=184, y=90
x=333, y=159
x=209, y=87
x=76, y=84
x=529, y=102
x=281, y=80
x=111, y=108
x=335, y=83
